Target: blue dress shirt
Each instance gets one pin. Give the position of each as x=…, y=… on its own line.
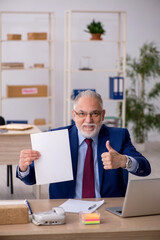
x=81, y=158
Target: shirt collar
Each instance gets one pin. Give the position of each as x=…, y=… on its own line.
x=82, y=138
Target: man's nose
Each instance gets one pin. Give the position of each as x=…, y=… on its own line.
x=89, y=118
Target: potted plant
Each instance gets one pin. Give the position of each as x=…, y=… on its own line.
x=96, y=30
x=140, y=111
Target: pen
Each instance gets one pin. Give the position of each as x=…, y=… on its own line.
x=28, y=205
x=91, y=207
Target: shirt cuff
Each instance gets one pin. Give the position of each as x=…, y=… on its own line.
x=23, y=174
x=134, y=166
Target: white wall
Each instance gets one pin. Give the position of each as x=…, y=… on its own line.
x=143, y=19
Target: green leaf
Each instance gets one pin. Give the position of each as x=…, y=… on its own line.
x=140, y=113
x=95, y=27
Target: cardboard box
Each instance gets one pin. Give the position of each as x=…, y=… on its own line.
x=27, y=91
x=39, y=121
x=38, y=65
x=14, y=214
x=37, y=36
x=13, y=36
x=12, y=65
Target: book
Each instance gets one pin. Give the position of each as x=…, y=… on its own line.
x=77, y=91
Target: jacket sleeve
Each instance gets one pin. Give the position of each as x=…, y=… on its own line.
x=30, y=178
x=144, y=168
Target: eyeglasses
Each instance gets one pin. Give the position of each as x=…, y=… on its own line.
x=93, y=114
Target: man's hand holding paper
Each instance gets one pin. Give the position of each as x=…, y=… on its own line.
x=27, y=156
x=52, y=151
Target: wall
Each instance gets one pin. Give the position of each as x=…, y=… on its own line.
x=143, y=20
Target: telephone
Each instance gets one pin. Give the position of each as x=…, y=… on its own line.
x=52, y=217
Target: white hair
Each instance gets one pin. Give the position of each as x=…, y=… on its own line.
x=88, y=93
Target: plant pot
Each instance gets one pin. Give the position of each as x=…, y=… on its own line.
x=96, y=36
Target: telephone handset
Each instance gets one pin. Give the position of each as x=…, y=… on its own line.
x=52, y=217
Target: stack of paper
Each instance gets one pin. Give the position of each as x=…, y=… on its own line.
x=16, y=126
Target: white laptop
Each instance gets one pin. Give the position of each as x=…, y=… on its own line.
x=142, y=198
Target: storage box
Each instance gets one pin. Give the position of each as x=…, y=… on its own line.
x=27, y=91
x=39, y=121
x=38, y=65
x=37, y=36
x=13, y=36
x=14, y=214
x=12, y=65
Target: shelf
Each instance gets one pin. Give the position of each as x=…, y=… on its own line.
x=38, y=51
x=106, y=55
x=45, y=125
x=19, y=41
x=95, y=70
x=96, y=41
x=104, y=99
x=47, y=98
x=112, y=100
x=95, y=11
x=24, y=12
x=27, y=69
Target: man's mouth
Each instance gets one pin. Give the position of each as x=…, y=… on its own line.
x=89, y=127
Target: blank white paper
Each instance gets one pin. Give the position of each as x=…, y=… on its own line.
x=54, y=164
x=77, y=206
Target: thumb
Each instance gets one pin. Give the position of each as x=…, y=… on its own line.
x=108, y=146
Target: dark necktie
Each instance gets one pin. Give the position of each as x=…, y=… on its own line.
x=88, y=188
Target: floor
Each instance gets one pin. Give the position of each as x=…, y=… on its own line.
x=22, y=191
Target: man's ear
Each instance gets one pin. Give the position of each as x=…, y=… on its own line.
x=73, y=114
x=103, y=114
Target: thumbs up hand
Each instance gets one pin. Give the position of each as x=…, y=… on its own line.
x=112, y=159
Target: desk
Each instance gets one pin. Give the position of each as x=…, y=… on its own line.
x=111, y=227
x=11, y=143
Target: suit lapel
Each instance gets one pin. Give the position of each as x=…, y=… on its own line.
x=73, y=137
x=102, y=138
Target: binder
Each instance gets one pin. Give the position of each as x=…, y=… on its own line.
x=116, y=87
x=16, y=121
x=77, y=91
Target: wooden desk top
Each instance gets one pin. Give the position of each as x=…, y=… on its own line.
x=35, y=129
x=12, y=142
x=111, y=226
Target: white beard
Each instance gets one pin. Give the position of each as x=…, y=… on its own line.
x=92, y=133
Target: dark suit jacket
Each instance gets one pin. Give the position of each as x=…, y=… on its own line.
x=113, y=182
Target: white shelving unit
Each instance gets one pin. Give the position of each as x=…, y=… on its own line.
x=106, y=55
x=28, y=52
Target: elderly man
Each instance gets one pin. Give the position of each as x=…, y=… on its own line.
x=101, y=156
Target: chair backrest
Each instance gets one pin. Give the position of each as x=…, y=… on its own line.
x=2, y=121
